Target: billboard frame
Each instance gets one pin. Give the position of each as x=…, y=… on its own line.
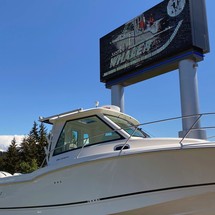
x=188, y=39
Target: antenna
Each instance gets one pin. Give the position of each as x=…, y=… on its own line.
x=96, y=103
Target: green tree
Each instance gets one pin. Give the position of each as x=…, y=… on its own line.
x=34, y=135
x=32, y=148
x=2, y=164
x=42, y=142
x=29, y=156
x=29, y=145
x=27, y=167
x=11, y=159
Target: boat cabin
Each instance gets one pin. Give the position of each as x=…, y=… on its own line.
x=80, y=129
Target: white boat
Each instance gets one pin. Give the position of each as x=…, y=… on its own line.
x=100, y=163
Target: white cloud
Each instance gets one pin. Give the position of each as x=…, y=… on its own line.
x=5, y=141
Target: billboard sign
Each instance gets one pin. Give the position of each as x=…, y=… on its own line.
x=165, y=32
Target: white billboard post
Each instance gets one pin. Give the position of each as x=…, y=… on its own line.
x=190, y=100
x=117, y=96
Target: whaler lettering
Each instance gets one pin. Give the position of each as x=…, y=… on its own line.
x=129, y=54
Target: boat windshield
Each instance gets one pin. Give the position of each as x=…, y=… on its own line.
x=128, y=127
x=83, y=132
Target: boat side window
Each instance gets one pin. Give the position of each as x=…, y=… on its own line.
x=128, y=127
x=82, y=132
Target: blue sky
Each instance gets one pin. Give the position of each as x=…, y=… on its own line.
x=49, y=62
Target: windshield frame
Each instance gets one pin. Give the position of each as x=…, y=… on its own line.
x=110, y=130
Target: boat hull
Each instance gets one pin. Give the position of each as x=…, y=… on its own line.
x=161, y=182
